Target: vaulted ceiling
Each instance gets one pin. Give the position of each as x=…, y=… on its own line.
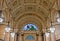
x=29, y=11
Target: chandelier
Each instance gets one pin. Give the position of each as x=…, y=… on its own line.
x=12, y=34
x=47, y=33
x=52, y=28
x=1, y=17
x=7, y=29
x=58, y=18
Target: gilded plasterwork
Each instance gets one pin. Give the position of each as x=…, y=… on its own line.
x=23, y=9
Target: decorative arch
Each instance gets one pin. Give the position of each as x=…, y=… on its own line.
x=30, y=18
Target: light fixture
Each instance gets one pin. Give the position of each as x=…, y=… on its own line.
x=47, y=34
x=7, y=29
x=1, y=17
x=1, y=20
x=52, y=29
x=58, y=17
x=12, y=34
x=58, y=20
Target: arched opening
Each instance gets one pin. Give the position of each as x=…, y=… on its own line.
x=30, y=27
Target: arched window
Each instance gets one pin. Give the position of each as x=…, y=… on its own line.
x=30, y=27
x=29, y=37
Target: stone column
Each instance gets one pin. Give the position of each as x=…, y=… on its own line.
x=47, y=38
x=20, y=37
x=12, y=38
x=53, y=37
x=7, y=36
x=58, y=4
x=44, y=38
x=2, y=31
x=16, y=37
x=39, y=37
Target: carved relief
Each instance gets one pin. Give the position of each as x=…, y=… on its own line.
x=40, y=2
x=42, y=11
x=45, y=3
x=29, y=1
x=19, y=2
x=20, y=7
x=9, y=1
x=19, y=11
x=30, y=14
x=30, y=8
x=14, y=5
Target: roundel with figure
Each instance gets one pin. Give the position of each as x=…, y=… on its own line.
x=30, y=27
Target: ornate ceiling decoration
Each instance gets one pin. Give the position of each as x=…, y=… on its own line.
x=38, y=8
